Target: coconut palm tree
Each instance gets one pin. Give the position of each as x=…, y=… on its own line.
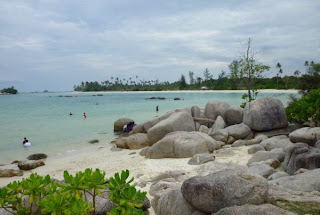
x=279, y=72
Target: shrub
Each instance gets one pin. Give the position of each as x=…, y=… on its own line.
x=305, y=109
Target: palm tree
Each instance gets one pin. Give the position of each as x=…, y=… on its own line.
x=279, y=72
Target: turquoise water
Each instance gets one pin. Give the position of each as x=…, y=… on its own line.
x=44, y=117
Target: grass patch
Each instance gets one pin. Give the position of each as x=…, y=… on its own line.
x=299, y=207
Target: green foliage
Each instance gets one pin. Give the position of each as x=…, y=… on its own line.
x=182, y=83
x=247, y=99
x=9, y=90
x=125, y=196
x=70, y=198
x=305, y=109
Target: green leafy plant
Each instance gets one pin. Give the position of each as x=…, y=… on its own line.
x=21, y=197
x=125, y=196
x=249, y=99
x=87, y=183
x=305, y=109
x=62, y=202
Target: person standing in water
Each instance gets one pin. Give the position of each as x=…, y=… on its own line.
x=26, y=142
x=84, y=115
x=157, y=108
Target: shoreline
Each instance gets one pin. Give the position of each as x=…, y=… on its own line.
x=192, y=91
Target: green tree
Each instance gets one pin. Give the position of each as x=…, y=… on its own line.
x=182, y=83
x=191, y=77
x=310, y=80
x=250, y=70
x=207, y=75
x=279, y=72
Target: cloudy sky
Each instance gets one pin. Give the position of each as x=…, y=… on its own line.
x=53, y=45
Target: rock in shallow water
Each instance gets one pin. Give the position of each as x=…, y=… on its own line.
x=38, y=156
x=28, y=165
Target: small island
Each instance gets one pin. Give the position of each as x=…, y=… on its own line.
x=10, y=90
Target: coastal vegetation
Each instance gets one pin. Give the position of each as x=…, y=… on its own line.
x=227, y=80
x=10, y=90
x=47, y=196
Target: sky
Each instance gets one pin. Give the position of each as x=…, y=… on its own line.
x=54, y=45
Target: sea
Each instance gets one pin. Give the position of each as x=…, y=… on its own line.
x=45, y=120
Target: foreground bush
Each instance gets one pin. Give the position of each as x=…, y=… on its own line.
x=305, y=109
x=38, y=194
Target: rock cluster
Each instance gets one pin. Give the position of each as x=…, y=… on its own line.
x=283, y=159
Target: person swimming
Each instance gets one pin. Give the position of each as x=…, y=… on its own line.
x=70, y=114
x=84, y=116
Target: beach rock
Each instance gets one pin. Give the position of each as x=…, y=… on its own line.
x=219, y=135
x=238, y=131
x=121, y=143
x=234, y=115
x=255, y=148
x=173, y=203
x=215, y=108
x=266, y=155
x=274, y=163
x=199, y=159
x=176, y=98
x=137, y=141
x=262, y=169
x=305, y=182
x=218, y=124
x=144, y=151
x=93, y=141
x=247, y=142
x=223, y=189
x=28, y=165
x=305, y=135
x=138, y=129
x=277, y=142
x=10, y=172
x=38, y=156
x=182, y=144
x=204, y=129
x=265, y=209
x=180, y=121
x=195, y=111
x=265, y=114
x=299, y=171
x=277, y=175
x=301, y=156
x=231, y=140
x=149, y=124
x=118, y=125
x=115, y=149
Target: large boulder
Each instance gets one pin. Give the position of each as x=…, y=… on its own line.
x=306, y=182
x=182, y=144
x=218, y=124
x=238, y=131
x=265, y=209
x=262, y=169
x=265, y=114
x=255, y=148
x=28, y=165
x=173, y=203
x=223, y=189
x=181, y=121
x=137, y=141
x=305, y=135
x=266, y=155
x=215, y=108
x=277, y=175
x=301, y=156
x=195, y=111
x=219, y=135
x=118, y=125
x=234, y=115
x=277, y=142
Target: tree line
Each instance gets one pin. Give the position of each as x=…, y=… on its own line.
x=234, y=79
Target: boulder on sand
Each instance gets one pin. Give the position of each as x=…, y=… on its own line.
x=118, y=125
x=265, y=209
x=266, y=155
x=182, y=144
x=199, y=159
x=215, y=108
x=10, y=172
x=181, y=121
x=305, y=135
x=38, y=156
x=28, y=165
x=238, y=131
x=265, y=114
x=223, y=189
x=301, y=156
x=137, y=141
